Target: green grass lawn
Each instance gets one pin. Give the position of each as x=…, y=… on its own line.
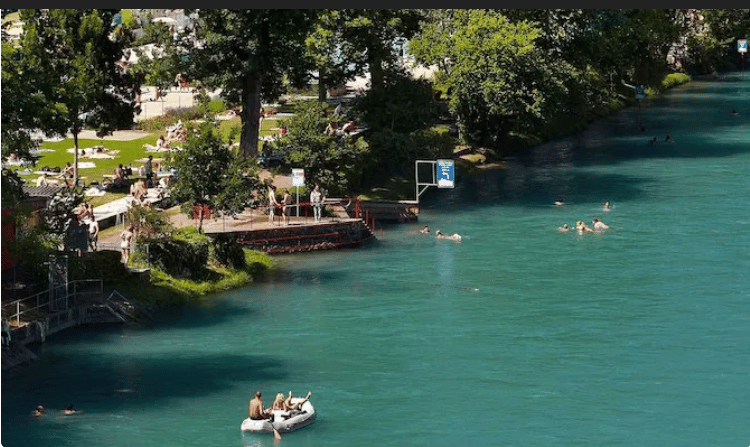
x=129, y=153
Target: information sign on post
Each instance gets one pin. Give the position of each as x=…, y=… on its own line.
x=298, y=179
x=742, y=45
x=445, y=172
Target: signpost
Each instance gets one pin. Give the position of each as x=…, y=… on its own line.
x=443, y=175
x=742, y=49
x=298, y=179
x=445, y=170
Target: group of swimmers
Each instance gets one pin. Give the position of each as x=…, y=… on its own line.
x=40, y=410
x=439, y=234
x=581, y=227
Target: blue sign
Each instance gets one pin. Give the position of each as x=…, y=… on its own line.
x=445, y=172
x=742, y=45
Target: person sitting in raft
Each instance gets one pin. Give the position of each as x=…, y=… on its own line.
x=256, y=411
x=454, y=237
x=280, y=403
x=599, y=225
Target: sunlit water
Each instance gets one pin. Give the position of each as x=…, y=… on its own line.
x=519, y=335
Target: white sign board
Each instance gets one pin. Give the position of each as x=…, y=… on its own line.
x=298, y=177
x=742, y=45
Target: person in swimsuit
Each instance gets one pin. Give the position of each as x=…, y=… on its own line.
x=255, y=408
x=599, y=225
x=283, y=404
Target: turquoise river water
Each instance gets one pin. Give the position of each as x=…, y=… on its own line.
x=519, y=335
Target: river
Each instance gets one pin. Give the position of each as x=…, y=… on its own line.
x=519, y=335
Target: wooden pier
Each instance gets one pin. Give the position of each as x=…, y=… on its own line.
x=254, y=231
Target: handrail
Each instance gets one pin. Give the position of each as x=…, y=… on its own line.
x=40, y=304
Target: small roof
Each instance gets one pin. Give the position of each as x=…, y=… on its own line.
x=41, y=191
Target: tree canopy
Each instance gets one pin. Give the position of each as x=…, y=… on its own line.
x=248, y=53
x=69, y=57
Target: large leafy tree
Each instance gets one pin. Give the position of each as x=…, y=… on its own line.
x=331, y=55
x=370, y=36
x=335, y=162
x=25, y=106
x=211, y=174
x=723, y=28
x=248, y=54
x=500, y=81
x=68, y=57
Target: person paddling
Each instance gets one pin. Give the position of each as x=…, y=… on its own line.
x=257, y=412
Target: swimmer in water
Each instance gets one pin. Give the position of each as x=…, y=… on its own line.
x=581, y=227
x=424, y=230
x=454, y=237
x=564, y=229
x=599, y=225
x=607, y=206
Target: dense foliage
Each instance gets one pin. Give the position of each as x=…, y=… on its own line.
x=69, y=59
x=210, y=174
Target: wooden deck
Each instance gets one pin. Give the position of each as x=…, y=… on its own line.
x=254, y=231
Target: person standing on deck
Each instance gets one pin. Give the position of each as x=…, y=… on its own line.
x=272, y=203
x=287, y=201
x=315, y=201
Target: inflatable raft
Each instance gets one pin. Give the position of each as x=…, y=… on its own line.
x=283, y=421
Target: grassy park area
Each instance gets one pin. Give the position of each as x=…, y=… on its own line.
x=95, y=164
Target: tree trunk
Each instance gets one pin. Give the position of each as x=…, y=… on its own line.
x=200, y=219
x=250, y=117
x=376, y=72
x=322, y=85
x=75, y=159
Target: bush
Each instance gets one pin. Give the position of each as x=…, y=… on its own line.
x=185, y=255
x=105, y=265
x=172, y=116
x=228, y=252
x=674, y=79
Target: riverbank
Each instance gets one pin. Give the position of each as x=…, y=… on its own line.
x=165, y=291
